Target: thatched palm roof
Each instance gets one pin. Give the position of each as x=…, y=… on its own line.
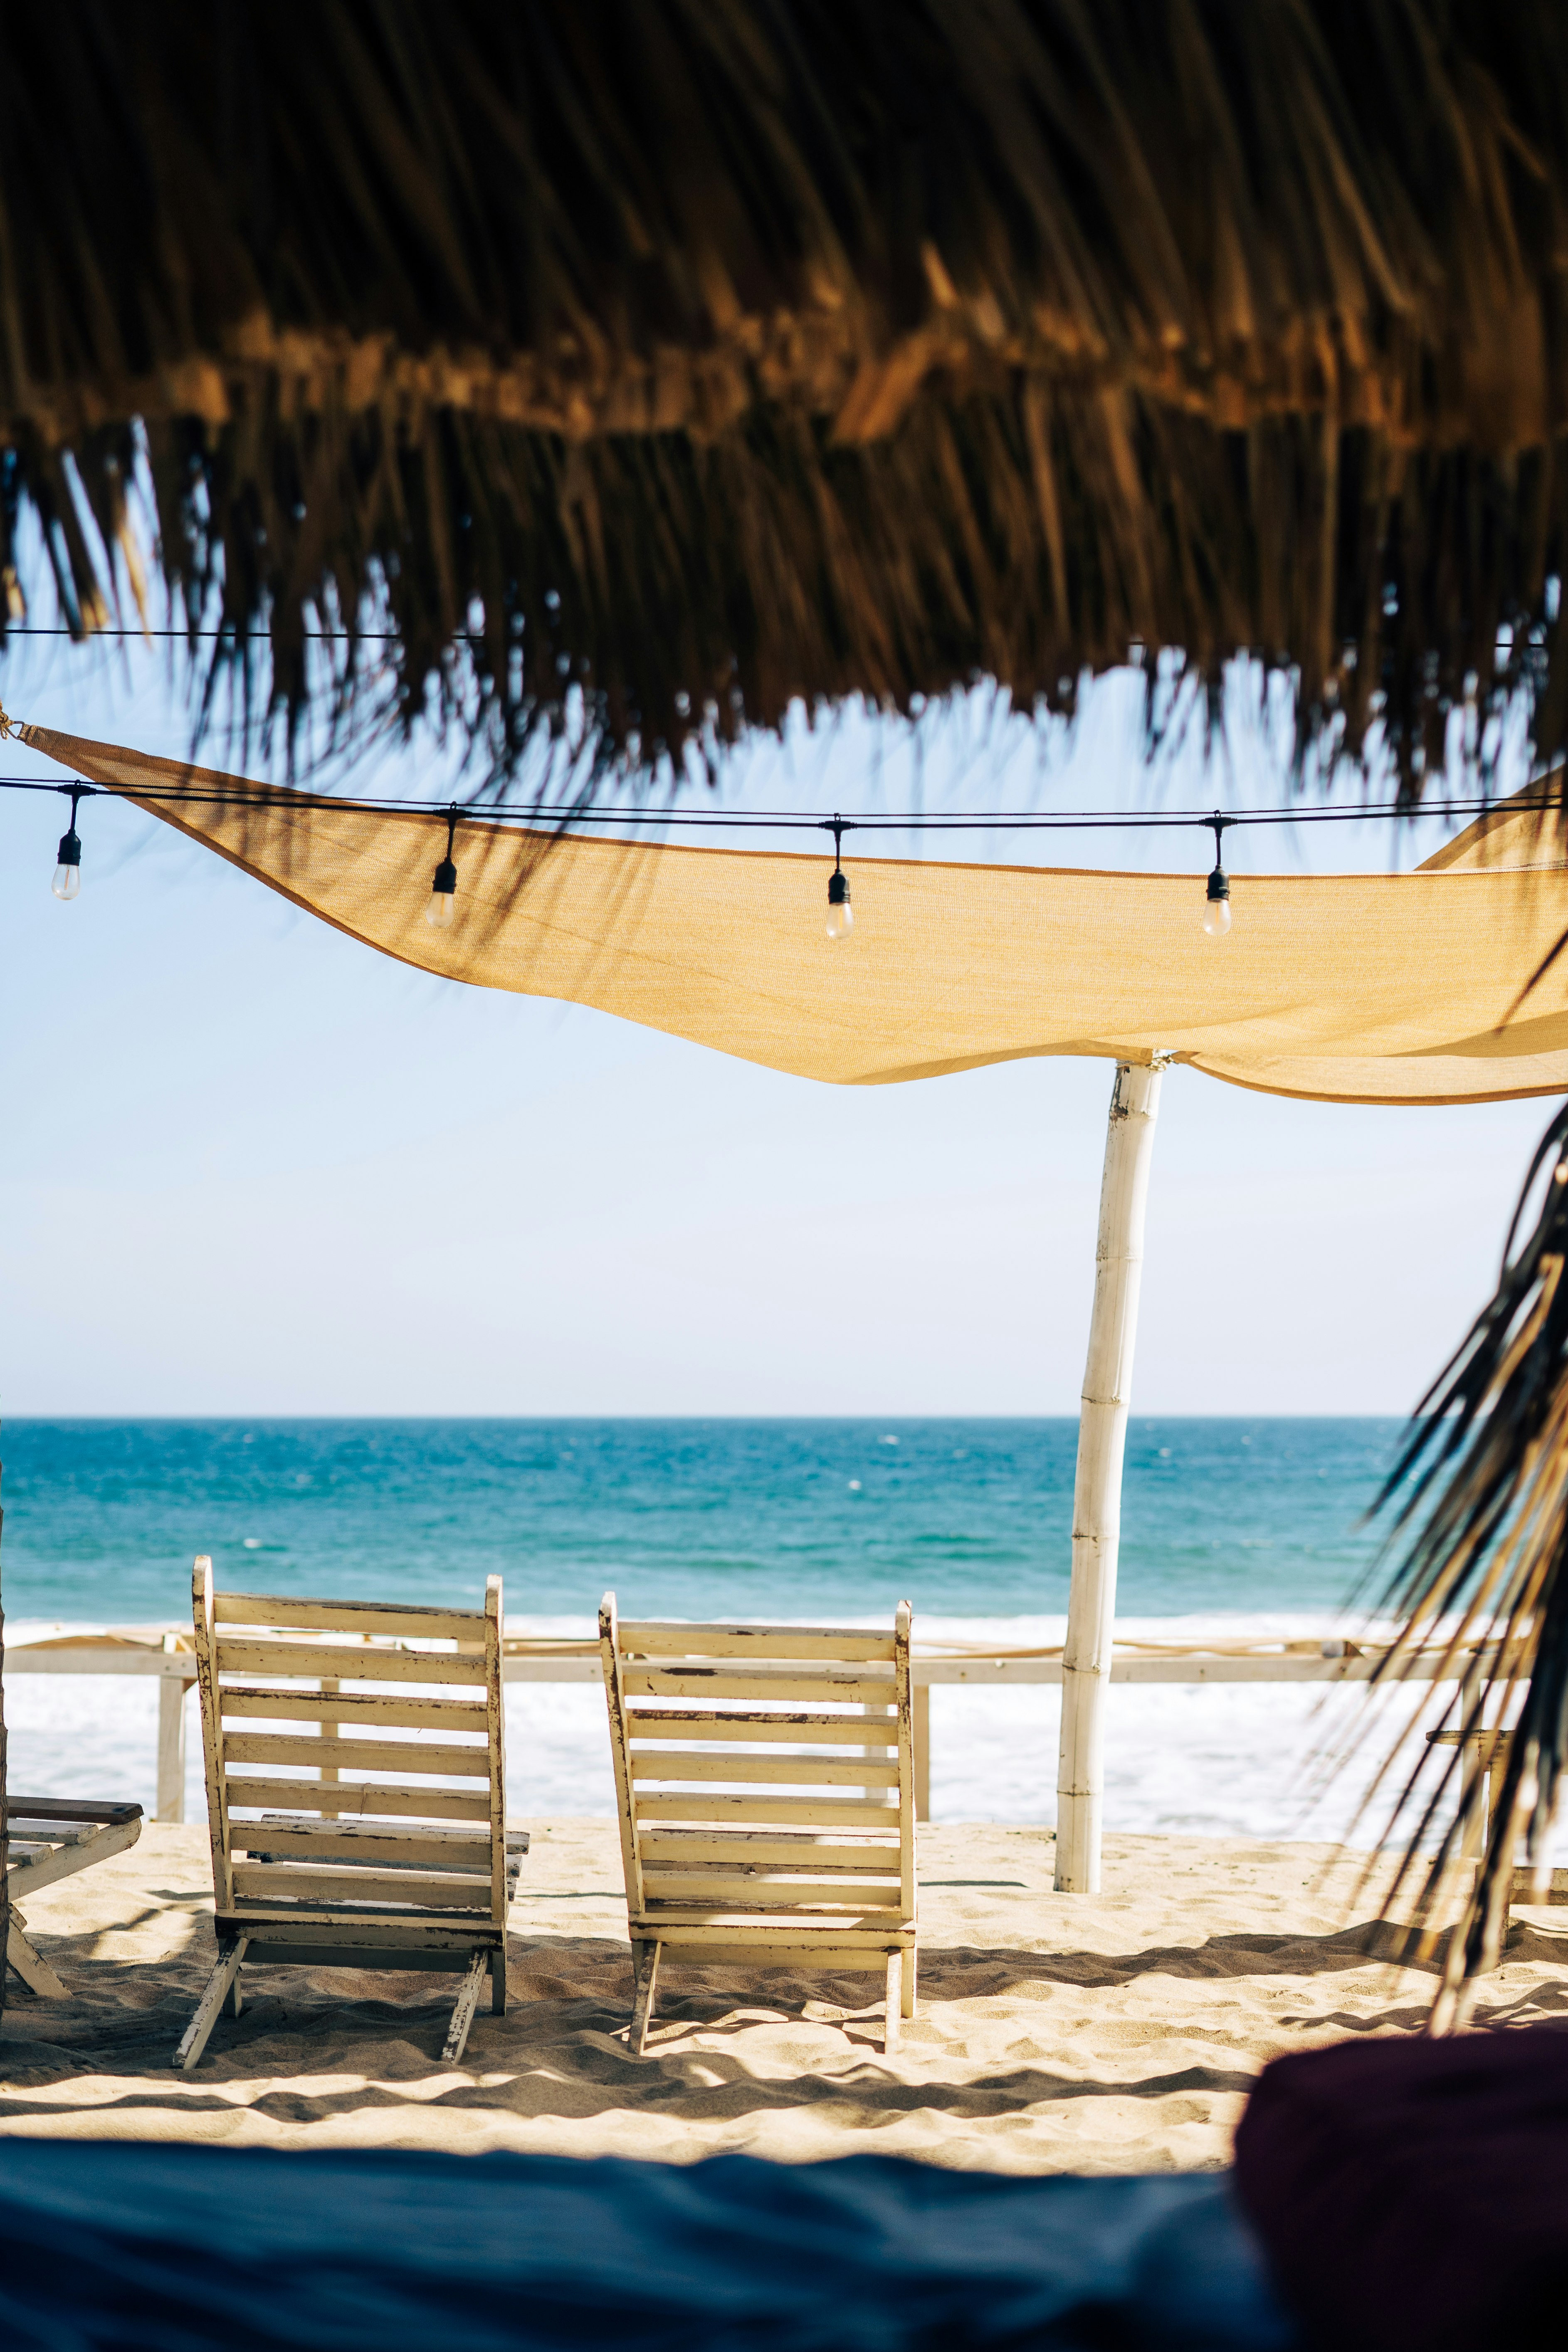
x=702, y=354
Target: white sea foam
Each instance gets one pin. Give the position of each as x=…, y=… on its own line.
x=1214, y=1760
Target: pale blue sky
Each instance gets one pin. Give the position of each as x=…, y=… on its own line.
x=251, y=1168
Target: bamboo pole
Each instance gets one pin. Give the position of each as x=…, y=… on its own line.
x=1097, y=1490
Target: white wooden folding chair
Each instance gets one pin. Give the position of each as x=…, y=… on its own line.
x=356, y=1796
x=738, y=1749
x=48, y=1839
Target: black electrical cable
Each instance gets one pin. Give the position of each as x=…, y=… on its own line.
x=785, y=820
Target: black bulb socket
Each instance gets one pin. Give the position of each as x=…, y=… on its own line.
x=69, y=852
x=445, y=885
x=1219, y=884
x=838, y=889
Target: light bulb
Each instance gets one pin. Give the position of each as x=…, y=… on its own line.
x=69, y=871
x=443, y=903
x=840, y=920
x=1216, y=918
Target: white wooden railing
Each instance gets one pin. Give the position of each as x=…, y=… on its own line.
x=165, y=1653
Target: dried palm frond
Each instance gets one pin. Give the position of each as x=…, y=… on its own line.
x=644, y=366
x=1487, y=1568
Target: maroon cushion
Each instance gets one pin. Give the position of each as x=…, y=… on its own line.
x=1414, y=2192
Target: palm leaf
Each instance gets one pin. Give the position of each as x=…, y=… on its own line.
x=1481, y=1488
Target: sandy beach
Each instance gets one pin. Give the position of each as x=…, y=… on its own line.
x=1114, y=2033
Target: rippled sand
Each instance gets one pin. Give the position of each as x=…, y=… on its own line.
x=1114, y=2033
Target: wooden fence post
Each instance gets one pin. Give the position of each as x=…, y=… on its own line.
x=922, y=1699
x=172, y=1694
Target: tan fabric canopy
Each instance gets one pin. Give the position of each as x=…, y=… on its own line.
x=1341, y=988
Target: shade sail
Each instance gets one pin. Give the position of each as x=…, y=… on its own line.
x=1343, y=988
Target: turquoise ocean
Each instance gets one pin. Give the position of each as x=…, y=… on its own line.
x=685, y=1519
x=1234, y=1526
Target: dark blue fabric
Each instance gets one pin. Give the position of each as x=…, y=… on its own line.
x=121, y=2246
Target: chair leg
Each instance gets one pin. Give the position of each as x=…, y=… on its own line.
x=909, y=1974
x=498, y=1983
x=31, y=1965
x=894, y=2002
x=463, y=2014
x=210, y=2007
x=645, y=1968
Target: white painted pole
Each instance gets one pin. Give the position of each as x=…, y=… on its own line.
x=1096, y=1491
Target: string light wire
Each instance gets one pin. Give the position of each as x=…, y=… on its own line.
x=569, y=813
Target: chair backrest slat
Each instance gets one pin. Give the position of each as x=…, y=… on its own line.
x=794, y=1729
x=685, y=1764
x=431, y=1847
x=817, y=1812
x=361, y=1800
x=281, y=1612
x=768, y=1849
x=306, y=1657
x=808, y=1685
x=396, y=1888
x=470, y=1763
x=444, y=1715
x=794, y=1643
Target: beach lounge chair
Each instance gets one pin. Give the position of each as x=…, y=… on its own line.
x=48, y=1839
x=765, y=1778
x=355, y=1792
